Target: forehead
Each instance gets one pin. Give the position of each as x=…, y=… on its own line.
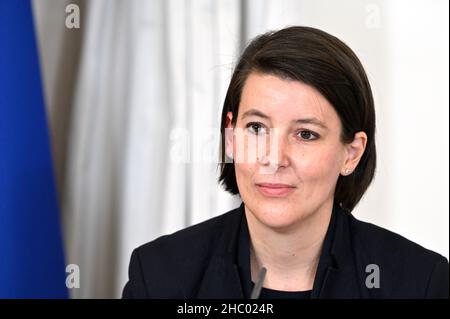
x=284, y=99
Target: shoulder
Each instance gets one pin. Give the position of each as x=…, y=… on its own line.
x=194, y=239
x=379, y=240
x=170, y=263
x=405, y=264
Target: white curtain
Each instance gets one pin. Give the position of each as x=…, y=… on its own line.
x=144, y=128
x=152, y=80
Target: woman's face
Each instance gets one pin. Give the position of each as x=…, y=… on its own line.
x=287, y=150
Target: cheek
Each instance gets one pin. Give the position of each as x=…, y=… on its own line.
x=244, y=172
x=317, y=174
x=244, y=177
x=318, y=165
x=246, y=150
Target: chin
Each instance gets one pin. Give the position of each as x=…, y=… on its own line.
x=276, y=215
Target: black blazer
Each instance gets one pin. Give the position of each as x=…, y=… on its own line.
x=201, y=262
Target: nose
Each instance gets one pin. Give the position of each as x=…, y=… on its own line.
x=277, y=151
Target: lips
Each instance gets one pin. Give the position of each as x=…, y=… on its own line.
x=275, y=189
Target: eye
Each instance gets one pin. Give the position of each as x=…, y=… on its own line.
x=308, y=135
x=256, y=128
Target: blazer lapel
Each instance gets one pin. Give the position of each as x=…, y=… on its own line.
x=221, y=278
x=339, y=284
x=336, y=272
x=221, y=281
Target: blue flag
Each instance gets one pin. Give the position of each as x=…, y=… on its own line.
x=31, y=252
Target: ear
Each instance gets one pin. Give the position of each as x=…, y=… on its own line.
x=354, y=152
x=229, y=136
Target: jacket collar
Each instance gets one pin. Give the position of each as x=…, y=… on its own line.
x=221, y=278
x=335, y=277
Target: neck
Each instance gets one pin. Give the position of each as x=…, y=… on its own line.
x=291, y=256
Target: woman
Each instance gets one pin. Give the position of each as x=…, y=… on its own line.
x=298, y=146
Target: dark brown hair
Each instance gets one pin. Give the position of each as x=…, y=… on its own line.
x=326, y=63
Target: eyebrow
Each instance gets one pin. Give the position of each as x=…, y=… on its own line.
x=308, y=120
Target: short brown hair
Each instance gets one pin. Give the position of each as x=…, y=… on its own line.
x=321, y=60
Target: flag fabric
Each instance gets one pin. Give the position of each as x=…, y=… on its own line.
x=31, y=251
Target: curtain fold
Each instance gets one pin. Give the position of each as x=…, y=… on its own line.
x=152, y=78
